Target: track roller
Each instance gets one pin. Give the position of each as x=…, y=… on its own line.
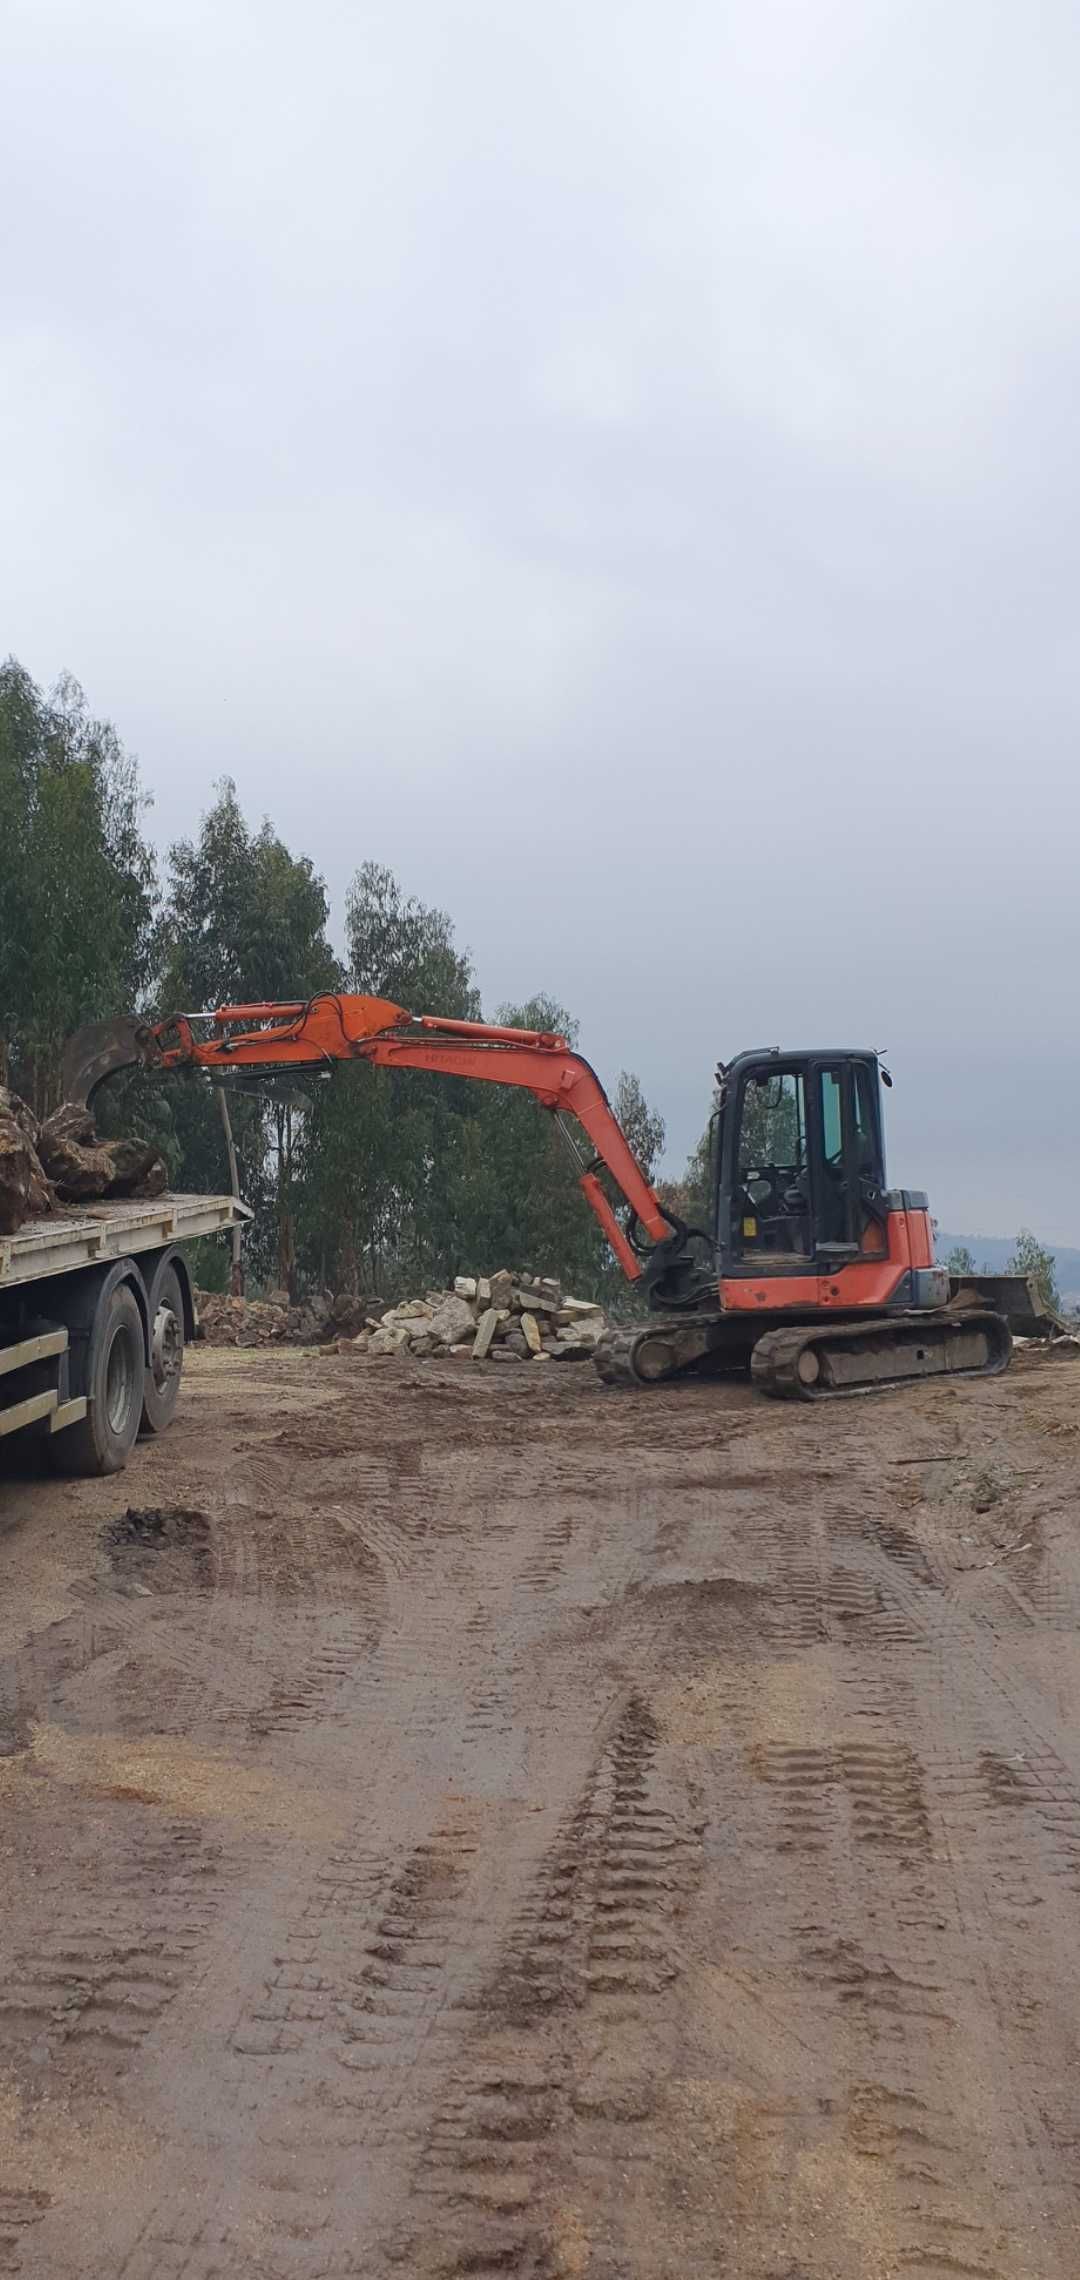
x=821, y=1361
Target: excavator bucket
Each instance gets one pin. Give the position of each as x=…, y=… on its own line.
x=101, y=1049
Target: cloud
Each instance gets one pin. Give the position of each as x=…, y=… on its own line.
x=616, y=465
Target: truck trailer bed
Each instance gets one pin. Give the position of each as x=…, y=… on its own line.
x=90, y=1234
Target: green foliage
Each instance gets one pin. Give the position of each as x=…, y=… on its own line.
x=378, y=1150
x=385, y=1179
x=401, y=949
x=244, y=921
x=522, y=1205
x=410, y=1179
x=691, y=1198
x=1029, y=1257
x=961, y=1261
x=645, y=1130
x=78, y=883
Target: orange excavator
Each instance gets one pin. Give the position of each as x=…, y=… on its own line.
x=812, y=1272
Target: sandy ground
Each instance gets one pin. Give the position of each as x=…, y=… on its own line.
x=479, y=1823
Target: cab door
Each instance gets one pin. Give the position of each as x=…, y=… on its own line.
x=848, y=1169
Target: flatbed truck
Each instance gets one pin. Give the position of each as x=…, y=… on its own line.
x=96, y=1307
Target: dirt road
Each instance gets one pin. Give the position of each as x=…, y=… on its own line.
x=476, y=1823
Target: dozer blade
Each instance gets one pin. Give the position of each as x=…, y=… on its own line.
x=1017, y=1297
x=101, y=1049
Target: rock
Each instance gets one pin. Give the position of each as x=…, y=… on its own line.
x=456, y=1352
x=514, y=1343
x=20, y=1113
x=574, y=1346
x=453, y=1322
x=389, y=1340
x=536, y=1301
x=23, y=1186
x=348, y=1313
x=574, y=1309
x=362, y=1342
x=465, y=1286
x=483, y=1290
x=485, y=1332
x=544, y=1357
x=425, y=1345
x=410, y=1310
x=586, y=1332
x=502, y=1288
x=504, y=1354
x=82, y=1167
x=530, y=1331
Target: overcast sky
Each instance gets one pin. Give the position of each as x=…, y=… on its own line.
x=615, y=463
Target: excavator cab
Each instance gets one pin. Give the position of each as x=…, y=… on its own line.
x=799, y=1162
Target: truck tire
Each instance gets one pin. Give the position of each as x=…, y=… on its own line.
x=102, y=1441
x=162, y=1388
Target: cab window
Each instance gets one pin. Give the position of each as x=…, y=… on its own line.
x=772, y=1204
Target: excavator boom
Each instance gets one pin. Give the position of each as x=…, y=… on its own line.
x=319, y=1032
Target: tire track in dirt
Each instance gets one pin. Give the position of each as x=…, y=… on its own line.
x=108, y=1959
x=375, y=1953
x=683, y=1872
x=532, y=2099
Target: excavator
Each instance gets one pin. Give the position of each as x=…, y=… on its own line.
x=813, y=1273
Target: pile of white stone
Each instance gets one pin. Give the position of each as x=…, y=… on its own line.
x=496, y=1318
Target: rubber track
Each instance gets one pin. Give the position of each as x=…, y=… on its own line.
x=612, y=1359
x=774, y=1363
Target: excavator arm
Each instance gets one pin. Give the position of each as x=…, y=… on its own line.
x=316, y=1034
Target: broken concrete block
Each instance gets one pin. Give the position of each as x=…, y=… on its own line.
x=575, y=1308
x=530, y=1331
x=485, y=1332
x=483, y=1290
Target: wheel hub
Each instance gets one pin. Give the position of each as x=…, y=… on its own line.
x=166, y=1347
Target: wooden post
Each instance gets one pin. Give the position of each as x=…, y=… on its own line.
x=236, y=1280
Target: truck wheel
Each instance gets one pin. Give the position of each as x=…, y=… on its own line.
x=102, y=1441
x=162, y=1388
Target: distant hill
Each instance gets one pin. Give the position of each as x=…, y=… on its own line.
x=993, y=1253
